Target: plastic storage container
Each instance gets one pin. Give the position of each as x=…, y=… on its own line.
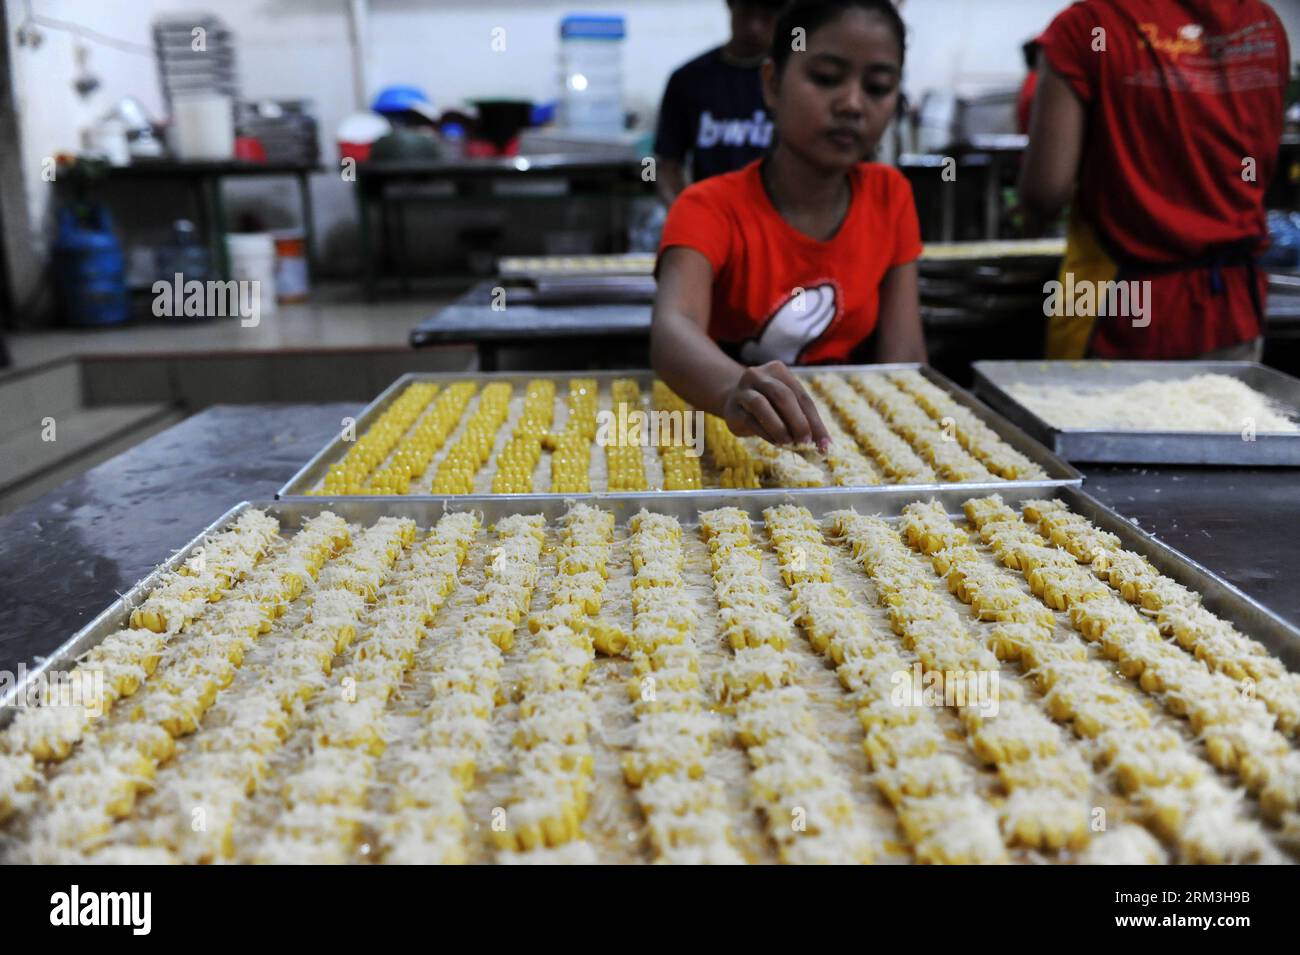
x=591, y=71
x=203, y=126
x=90, y=270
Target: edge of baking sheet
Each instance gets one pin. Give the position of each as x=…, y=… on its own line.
x=1219, y=596
x=993, y=380
x=112, y=617
x=1059, y=471
x=535, y=266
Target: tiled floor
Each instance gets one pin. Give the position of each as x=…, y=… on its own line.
x=335, y=319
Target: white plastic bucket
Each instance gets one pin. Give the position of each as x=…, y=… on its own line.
x=203, y=126
x=252, y=259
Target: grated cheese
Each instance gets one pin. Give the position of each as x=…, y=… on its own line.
x=1207, y=402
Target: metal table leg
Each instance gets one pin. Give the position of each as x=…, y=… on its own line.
x=215, y=214
x=403, y=261
x=992, y=197
x=948, y=210
x=367, y=252
x=308, y=220
x=385, y=266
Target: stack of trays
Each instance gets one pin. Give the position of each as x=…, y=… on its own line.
x=184, y=69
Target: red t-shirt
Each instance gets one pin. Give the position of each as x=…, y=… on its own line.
x=1182, y=92
x=779, y=294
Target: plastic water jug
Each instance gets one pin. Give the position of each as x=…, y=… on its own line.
x=90, y=270
x=591, y=74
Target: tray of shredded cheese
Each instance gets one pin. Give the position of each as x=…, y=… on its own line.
x=1150, y=412
x=963, y=677
x=545, y=266
x=624, y=432
x=643, y=264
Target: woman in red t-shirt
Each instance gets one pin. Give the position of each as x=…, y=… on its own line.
x=807, y=256
x=1160, y=120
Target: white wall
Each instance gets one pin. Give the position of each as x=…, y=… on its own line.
x=1289, y=12
x=302, y=48
x=51, y=112
x=970, y=45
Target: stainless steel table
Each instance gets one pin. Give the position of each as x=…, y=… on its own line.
x=522, y=321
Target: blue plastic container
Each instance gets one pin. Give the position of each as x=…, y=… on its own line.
x=399, y=99
x=90, y=270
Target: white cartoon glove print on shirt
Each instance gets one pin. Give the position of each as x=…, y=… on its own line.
x=796, y=324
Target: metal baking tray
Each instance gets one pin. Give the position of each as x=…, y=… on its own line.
x=1058, y=471
x=537, y=266
x=593, y=289
x=994, y=380
x=1220, y=597
x=967, y=259
x=952, y=256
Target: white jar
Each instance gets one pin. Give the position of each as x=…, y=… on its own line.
x=203, y=126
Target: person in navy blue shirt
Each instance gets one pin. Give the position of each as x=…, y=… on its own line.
x=712, y=119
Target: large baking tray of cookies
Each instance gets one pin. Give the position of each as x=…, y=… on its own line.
x=956, y=677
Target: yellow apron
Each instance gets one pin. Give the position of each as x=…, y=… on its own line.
x=1068, y=336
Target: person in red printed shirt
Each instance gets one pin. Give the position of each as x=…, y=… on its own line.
x=807, y=256
x=1166, y=117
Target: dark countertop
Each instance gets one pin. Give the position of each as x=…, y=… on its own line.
x=1241, y=523
x=143, y=168
x=616, y=162
x=66, y=556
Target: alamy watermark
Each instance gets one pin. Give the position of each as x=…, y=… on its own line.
x=630, y=427
x=1087, y=299
x=131, y=909
x=82, y=687
x=939, y=688
x=178, y=298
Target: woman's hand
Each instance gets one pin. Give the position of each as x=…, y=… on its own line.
x=769, y=401
x=766, y=400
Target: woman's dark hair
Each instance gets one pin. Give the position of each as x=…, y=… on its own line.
x=812, y=15
x=1030, y=50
